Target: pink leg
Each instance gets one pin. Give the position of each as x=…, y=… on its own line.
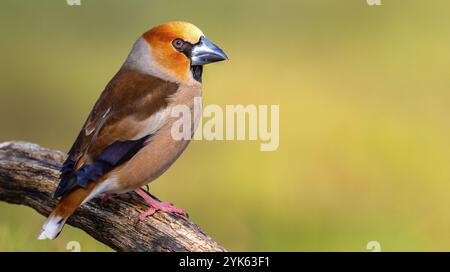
x=105, y=199
x=157, y=206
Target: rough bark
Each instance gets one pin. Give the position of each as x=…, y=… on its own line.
x=29, y=175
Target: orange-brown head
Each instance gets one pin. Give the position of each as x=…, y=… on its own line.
x=177, y=51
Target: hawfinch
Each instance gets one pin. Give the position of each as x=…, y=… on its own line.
x=126, y=141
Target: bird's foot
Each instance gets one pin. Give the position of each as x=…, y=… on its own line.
x=163, y=207
x=146, y=214
x=105, y=199
x=156, y=205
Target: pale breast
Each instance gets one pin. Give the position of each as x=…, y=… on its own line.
x=161, y=150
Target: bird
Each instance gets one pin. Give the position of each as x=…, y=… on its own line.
x=126, y=141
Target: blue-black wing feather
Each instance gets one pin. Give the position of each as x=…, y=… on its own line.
x=113, y=156
x=105, y=141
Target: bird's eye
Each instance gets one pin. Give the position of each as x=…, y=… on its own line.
x=178, y=43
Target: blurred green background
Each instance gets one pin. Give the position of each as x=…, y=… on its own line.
x=364, y=116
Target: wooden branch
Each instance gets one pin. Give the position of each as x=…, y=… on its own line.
x=29, y=175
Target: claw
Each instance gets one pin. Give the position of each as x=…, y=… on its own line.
x=147, y=213
x=156, y=205
x=105, y=199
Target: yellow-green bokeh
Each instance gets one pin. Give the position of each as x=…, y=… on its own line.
x=364, y=96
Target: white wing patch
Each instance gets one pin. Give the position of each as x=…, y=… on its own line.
x=152, y=124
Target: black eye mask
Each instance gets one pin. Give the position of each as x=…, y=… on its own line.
x=186, y=49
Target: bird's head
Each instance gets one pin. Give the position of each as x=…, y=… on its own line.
x=176, y=52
